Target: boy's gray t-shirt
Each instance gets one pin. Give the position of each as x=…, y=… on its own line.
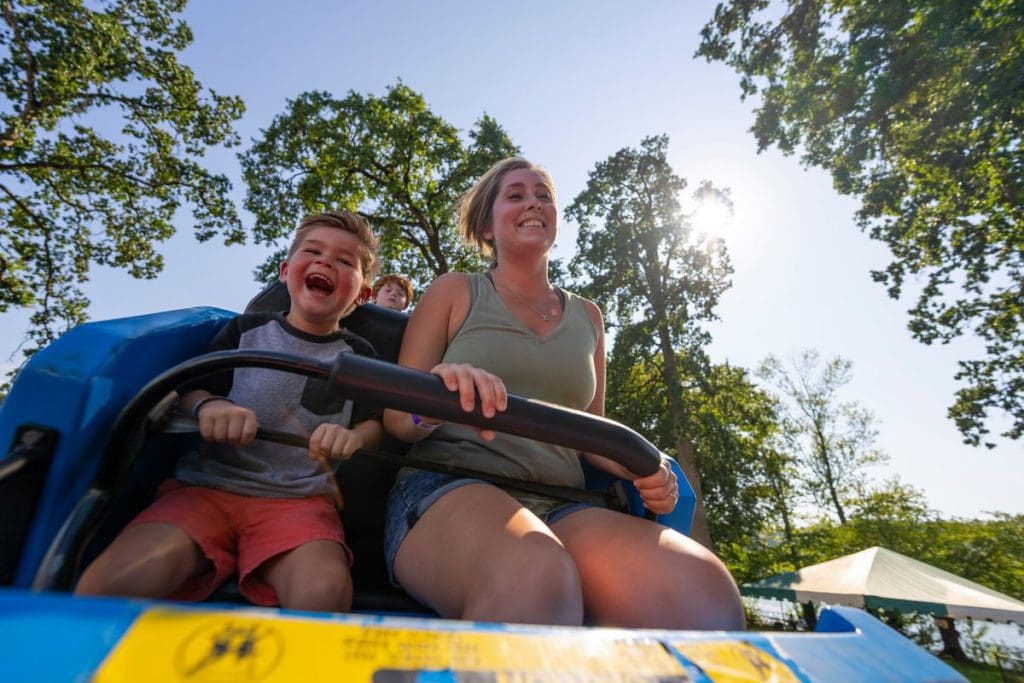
x=282, y=401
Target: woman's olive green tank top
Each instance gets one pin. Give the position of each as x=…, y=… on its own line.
x=557, y=368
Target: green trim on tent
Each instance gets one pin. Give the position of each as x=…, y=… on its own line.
x=768, y=592
x=875, y=602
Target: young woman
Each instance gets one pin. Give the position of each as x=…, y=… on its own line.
x=473, y=551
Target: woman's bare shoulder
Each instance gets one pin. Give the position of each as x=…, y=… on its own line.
x=449, y=281
x=442, y=308
x=593, y=310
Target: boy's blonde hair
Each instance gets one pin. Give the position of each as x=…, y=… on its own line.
x=474, y=207
x=350, y=222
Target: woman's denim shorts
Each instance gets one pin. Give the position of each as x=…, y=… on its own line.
x=415, y=491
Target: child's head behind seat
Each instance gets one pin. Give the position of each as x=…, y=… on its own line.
x=393, y=291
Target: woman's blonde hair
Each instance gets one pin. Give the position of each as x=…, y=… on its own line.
x=475, y=206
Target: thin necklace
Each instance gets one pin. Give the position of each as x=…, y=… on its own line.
x=543, y=316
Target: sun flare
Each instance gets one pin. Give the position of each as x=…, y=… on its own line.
x=712, y=214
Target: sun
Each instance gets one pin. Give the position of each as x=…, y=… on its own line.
x=712, y=211
x=712, y=218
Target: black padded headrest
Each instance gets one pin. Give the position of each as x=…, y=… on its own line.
x=380, y=326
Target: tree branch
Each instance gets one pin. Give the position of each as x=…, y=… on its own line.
x=30, y=110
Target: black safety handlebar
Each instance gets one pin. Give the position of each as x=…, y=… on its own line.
x=393, y=386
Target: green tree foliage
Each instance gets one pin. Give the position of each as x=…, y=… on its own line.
x=897, y=517
x=779, y=534
x=639, y=257
x=893, y=515
x=101, y=133
x=732, y=426
x=833, y=440
x=917, y=107
x=989, y=552
x=390, y=158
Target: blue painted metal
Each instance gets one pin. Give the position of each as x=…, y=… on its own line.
x=850, y=645
x=681, y=518
x=77, y=385
x=53, y=637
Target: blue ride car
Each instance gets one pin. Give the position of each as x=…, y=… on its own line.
x=89, y=430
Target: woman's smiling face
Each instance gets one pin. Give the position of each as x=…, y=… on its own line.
x=524, y=212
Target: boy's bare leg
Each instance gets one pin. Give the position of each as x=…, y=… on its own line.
x=313, y=577
x=148, y=560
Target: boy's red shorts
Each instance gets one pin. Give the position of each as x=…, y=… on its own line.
x=239, y=533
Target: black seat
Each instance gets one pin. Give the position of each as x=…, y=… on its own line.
x=381, y=326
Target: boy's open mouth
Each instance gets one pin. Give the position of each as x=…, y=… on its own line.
x=319, y=283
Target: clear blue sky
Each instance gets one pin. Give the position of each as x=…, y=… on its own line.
x=572, y=83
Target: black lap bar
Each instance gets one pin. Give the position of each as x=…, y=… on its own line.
x=392, y=386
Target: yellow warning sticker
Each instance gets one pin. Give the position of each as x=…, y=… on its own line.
x=228, y=647
x=735, y=662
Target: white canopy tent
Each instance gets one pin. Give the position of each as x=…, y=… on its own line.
x=881, y=578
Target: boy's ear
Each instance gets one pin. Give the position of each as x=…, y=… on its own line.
x=282, y=274
x=365, y=292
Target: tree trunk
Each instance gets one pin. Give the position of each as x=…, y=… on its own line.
x=685, y=454
x=950, y=640
x=810, y=614
x=687, y=459
x=824, y=455
x=787, y=524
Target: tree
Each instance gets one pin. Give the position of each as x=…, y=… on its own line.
x=892, y=515
x=640, y=259
x=916, y=107
x=897, y=517
x=101, y=134
x=989, y=552
x=780, y=477
x=732, y=425
x=834, y=441
x=746, y=480
x=391, y=158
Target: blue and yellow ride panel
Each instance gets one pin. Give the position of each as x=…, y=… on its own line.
x=50, y=637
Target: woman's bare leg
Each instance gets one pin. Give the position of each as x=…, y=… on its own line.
x=478, y=554
x=636, y=573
